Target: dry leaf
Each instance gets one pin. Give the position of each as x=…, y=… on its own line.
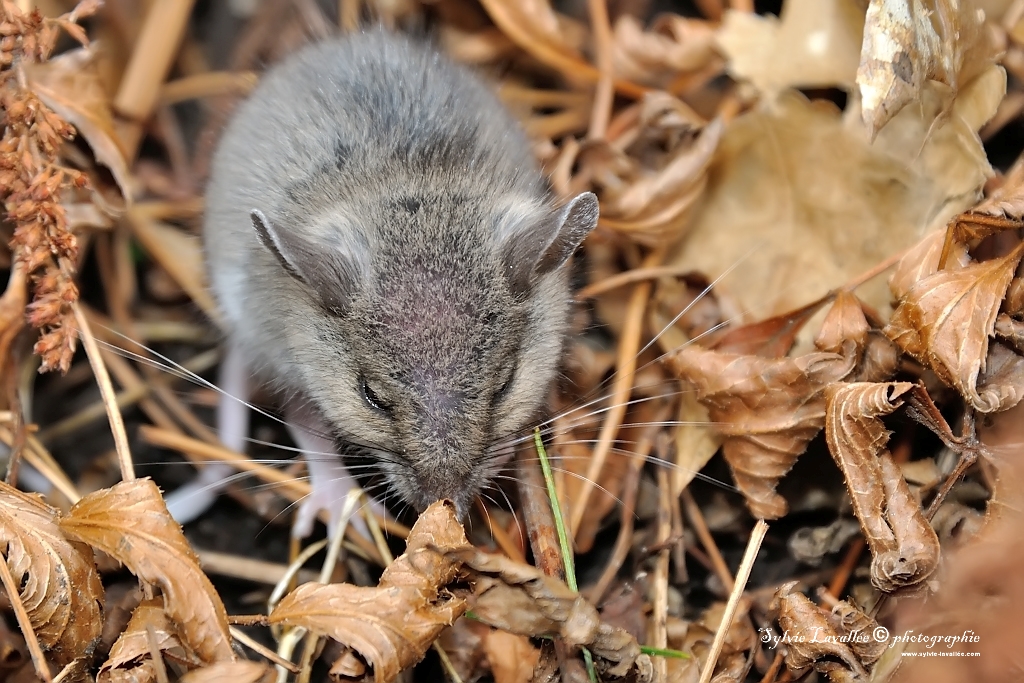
x=813, y=640
x=981, y=584
x=131, y=657
x=767, y=409
x=922, y=260
x=770, y=338
x=511, y=657
x=904, y=547
x=798, y=203
x=741, y=637
x=696, y=441
x=521, y=599
x=390, y=626
x=945, y=321
x=908, y=42
x=671, y=46
x=129, y=521
x=70, y=85
x=231, y=672
x=57, y=579
x=649, y=199
x=846, y=320
x=813, y=44
x=1008, y=199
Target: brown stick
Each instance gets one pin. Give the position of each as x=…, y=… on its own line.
x=537, y=515
x=696, y=518
x=601, y=112
x=151, y=59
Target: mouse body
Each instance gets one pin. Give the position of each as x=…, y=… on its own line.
x=389, y=258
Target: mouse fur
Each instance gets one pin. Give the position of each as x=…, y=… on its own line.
x=385, y=248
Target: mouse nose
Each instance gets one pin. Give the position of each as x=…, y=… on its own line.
x=446, y=482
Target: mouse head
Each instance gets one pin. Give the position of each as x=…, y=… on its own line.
x=442, y=327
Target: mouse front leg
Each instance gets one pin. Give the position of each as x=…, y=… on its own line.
x=190, y=500
x=329, y=479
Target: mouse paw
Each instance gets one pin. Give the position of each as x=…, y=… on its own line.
x=329, y=494
x=330, y=481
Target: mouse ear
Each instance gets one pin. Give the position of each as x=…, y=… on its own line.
x=331, y=273
x=547, y=245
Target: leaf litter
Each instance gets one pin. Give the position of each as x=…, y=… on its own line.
x=800, y=212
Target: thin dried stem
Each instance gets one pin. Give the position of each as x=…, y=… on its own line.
x=630, y=489
x=700, y=526
x=92, y=350
x=742, y=574
x=156, y=656
x=261, y=650
x=604, y=94
x=628, y=277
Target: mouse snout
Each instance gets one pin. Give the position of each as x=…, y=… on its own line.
x=441, y=480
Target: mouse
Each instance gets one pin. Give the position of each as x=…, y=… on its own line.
x=391, y=261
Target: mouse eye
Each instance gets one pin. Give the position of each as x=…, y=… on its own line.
x=372, y=399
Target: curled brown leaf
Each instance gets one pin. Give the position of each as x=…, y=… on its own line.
x=671, y=46
x=390, y=626
x=648, y=197
x=59, y=586
x=945, y=321
x=129, y=521
x=767, y=410
x=904, y=547
x=131, y=658
x=812, y=639
x=846, y=320
x=522, y=599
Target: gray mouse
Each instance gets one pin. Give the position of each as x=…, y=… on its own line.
x=389, y=258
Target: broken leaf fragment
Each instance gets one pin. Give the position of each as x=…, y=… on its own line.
x=389, y=627
x=768, y=410
x=129, y=521
x=904, y=547
x=57, y=579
